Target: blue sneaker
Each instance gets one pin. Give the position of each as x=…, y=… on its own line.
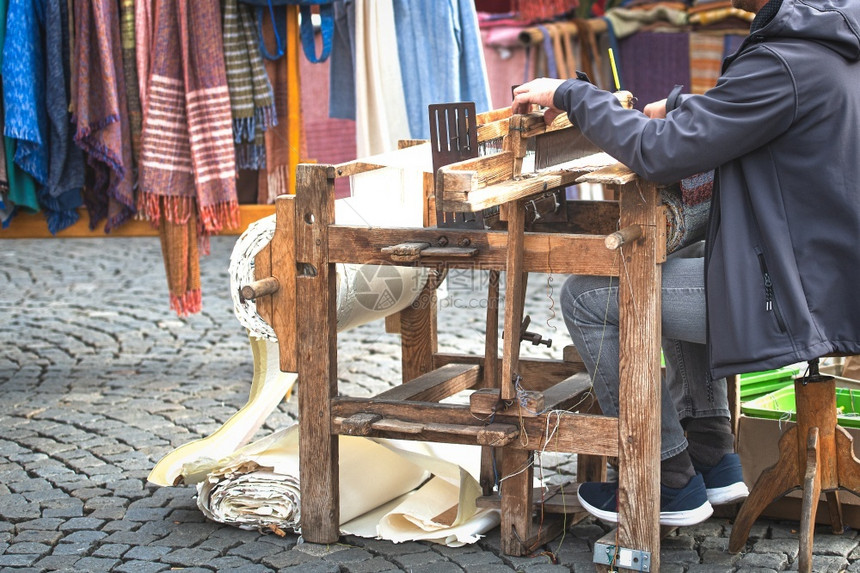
x=685, y=506
x=724, y=482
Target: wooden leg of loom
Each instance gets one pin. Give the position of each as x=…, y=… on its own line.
x=809, y=507
x=491, y=375
x=772, y=483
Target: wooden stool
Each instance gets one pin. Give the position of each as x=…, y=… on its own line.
x=815, y=455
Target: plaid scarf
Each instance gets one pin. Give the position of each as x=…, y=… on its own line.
x=101, y=113
x=129, y=68
x=251, y=99
x=187, y=163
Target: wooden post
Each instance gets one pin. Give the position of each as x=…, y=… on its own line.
x=284, y=270
x=317, y=355
x=517, y=470
x=418, y=334
x=639, y=371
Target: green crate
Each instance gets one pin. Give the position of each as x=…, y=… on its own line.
x=779, y=404
x=756, y=384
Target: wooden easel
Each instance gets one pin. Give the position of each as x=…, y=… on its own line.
x=514, y=397
x=816, y=455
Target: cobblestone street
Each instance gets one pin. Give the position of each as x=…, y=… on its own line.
x=99, y=379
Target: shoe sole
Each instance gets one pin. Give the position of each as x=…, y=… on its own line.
x=670, y=518
x=727, y=494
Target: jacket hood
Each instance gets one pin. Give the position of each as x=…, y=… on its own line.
x=833, y=23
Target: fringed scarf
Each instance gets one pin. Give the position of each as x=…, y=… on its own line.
x=187, y=164
x=101, y=113
x=36, y=106
x=129, y=68
x=251, y=99
x=285, y=142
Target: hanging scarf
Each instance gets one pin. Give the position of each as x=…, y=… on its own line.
x=35, y=105
x=285, y=142
x=144, y=31
x=101, y=113
x=62, y=194
x=187, y=163
x=251, y=99
x=129, y=68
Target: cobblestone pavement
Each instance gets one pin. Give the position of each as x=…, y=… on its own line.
x=99, y=379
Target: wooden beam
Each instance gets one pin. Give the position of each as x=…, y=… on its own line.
x=543, y=252
x=436, y=385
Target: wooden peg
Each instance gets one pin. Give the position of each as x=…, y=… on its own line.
x=622, y=237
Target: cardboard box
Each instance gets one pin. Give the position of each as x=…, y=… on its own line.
x=758, y=440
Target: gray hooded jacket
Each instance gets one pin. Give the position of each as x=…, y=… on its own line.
x=782, y=129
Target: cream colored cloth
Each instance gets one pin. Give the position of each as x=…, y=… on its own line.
x=380, y=106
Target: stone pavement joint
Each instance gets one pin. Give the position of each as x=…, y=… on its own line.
x=99, y=380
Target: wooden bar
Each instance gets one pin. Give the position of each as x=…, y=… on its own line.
x=317, y=356
x=284, y=307
x=538, y=373
x=418, y=334
x=639, y=376
x=33, y=226
x=436, y=385
x=543, y=252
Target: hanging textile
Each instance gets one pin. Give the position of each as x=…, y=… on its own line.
x=251, y=98
x=101, y=113
x=144, y=31
x=129, y=68
x=668, y=64
x=36, y=102
x=187, y=164
x=544, y=9
x=381, y=119
x=285, y=143
x=441, y=58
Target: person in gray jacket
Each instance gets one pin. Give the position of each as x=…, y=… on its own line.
x=781, y=129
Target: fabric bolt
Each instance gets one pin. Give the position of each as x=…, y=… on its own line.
x=129, y=68
x=380, y=119
x=668, y=64
x=187, y=164
x=251, y=97
x=101, y=113
x=626, y=22
x=441, y=58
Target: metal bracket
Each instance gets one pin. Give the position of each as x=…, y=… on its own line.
x=632, y=559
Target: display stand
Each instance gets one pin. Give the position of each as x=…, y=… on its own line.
x=519, y=406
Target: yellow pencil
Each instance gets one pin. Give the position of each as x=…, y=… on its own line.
x=614, y=70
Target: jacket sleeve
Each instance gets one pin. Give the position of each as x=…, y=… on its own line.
x=753, y=103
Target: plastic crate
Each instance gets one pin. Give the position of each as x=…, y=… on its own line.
x=756, y=384
x=781, y=405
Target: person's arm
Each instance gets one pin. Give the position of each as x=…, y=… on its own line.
x=753, y=103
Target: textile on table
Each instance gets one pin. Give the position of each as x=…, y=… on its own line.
x=101, y=113
x=187, y=164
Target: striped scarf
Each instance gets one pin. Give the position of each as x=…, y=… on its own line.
x=187, y=162
x=251, y=98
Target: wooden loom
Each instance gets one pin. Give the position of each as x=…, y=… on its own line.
x=295, y=293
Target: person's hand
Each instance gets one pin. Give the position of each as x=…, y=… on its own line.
x=541, y=92
x=655, y=110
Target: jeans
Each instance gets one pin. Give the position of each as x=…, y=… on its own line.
x=590, y=308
